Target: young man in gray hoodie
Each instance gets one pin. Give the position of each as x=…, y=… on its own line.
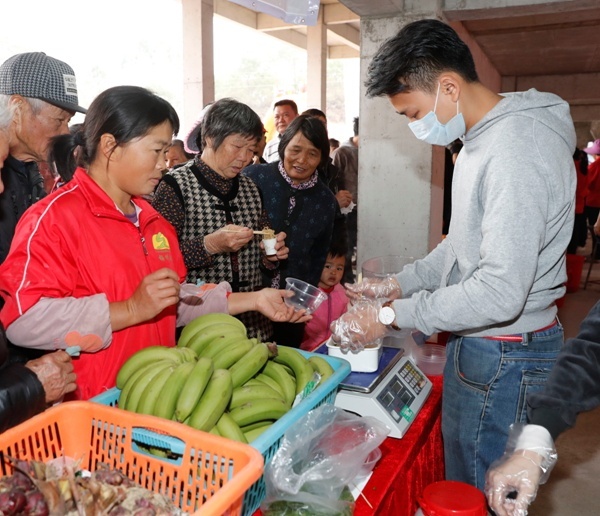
x=494, y=280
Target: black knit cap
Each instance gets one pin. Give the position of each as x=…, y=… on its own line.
x=38, y=76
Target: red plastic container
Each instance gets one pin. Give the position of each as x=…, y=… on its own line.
x=449, y=498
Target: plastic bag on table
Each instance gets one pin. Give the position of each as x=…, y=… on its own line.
x=318, y=458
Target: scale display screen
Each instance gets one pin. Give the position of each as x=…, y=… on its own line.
x=399, y=394
x=395, y=399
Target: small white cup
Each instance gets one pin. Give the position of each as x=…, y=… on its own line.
x=270, y=246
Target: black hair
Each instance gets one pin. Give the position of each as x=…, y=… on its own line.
x=287, y=102
x=334, y=143
x=338, y=246
x=415, y=57
x=315, y=112
x=355, y=126
x=125, y=112
x=313, y=130
x=228, y=116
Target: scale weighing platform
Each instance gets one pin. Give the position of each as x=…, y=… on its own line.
x=394, y=393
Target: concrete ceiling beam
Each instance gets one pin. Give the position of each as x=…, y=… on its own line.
x=572, y=87
x=465, y=10
x=342, y=52
x=236, y=13
x=349, y=34
x=291, y=36
x=337, y=14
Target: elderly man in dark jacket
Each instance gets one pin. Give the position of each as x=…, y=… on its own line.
x=42, y=93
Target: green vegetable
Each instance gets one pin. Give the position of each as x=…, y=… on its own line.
x=293, y=508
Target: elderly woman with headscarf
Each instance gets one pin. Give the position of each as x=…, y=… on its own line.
x=215, y=210
x=299, y=203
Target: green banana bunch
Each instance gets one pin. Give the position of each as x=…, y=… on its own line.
x=221, y=343
x=172, y=390
x=193, y=388
x=227, y=427
x=203, y=322
x=263, y=379
x=229, y=356
x=256, y=430
x=259, y=410
x=201, y=340
x=213, y=401
x=188, y=354
x=217, y=380
x=131, y=381
x=137, y=389
x=245, y=394
x=149, y=355
x=321, y=366
x=291, y=357
x=150, y=395
x=286, y=383
x=258, y=424
x=249, y=364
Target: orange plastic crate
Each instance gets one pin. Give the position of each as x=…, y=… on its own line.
x=209, y=477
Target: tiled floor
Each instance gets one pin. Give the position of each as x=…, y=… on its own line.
x=574, y=486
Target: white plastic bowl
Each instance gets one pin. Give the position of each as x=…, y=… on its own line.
x=306, y=296
x=365, y=361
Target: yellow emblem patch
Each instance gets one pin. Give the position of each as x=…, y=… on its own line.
x=160, y=242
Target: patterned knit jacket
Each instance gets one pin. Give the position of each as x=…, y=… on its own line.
x=309, y=226
x=207, y=210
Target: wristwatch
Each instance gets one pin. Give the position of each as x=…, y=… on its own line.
x=387, y=316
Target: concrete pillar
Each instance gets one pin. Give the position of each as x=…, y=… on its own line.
x=400, y=179
x=316, y=52
x=198, y=62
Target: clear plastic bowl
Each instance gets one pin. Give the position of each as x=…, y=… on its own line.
x=431, y=358
x=306, y=296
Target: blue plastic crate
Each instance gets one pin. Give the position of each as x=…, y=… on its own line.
x=269, y=441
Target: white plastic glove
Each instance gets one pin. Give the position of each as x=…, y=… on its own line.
x=359, y=327
x=386, y=289
x=527, y=462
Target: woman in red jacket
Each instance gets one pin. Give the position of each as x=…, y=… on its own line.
x=94, y=265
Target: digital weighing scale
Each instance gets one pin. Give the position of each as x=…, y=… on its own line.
x=394, y=393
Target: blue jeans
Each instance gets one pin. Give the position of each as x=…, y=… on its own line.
x=485, y=387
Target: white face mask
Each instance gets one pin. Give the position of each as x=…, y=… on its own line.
x=431, y=130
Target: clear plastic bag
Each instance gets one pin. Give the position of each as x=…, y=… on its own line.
x=318, y=459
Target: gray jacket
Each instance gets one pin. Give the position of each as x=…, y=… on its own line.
x=502, y=265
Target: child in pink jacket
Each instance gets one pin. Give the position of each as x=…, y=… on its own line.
x=317, y=329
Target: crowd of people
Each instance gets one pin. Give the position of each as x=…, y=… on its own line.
x=146, y=232
x=138, y=233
